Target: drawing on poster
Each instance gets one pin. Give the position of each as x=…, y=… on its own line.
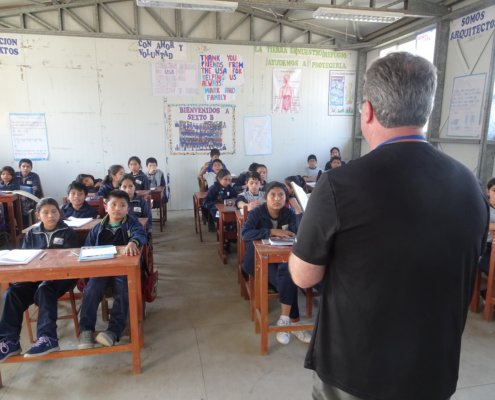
x=286, y=91
x=258, y=135
x=197, y=128
x=341, y=92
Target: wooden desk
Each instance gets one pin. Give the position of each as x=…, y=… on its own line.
x=264, y=255
x=241, y=248
x=198, y=200
x=14, y=215
x=61, y=264
x=157, y=197
x=226, y=214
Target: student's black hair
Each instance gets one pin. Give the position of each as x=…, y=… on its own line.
x=112, y=170
x=222, y=173
x=253, y=167
x=25, y=160
x=150, y=160
x=134, y=158
x=126, y=177
x=312, y=157
x=275, y=184
x=490, y=183
x=217, y=161
x=214, y=152
x=297, y=179
x=118, y=194
x=79, y=186
x=334, y=148
x=10, y=170
x=81, y=177
x=261, y=166
x=335, y=158
x=252, y=175
x=47, y=201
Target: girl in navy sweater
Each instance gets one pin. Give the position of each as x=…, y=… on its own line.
x=220, y=191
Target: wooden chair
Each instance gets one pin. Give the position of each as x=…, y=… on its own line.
x=488, y=309
x=69, y=296
x=202, y=184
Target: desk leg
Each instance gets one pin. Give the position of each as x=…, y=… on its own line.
x=255, y=298
x=12, y=224
x=196, y=213
x=135, y=314
x=162, y=222
x=221, y=249
x=263, y=302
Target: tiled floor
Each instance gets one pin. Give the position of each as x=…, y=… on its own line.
x=200, y=342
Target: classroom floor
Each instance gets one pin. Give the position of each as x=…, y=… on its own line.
x=200, y=342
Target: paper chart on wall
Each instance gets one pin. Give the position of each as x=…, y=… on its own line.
x=258, y=135
x=174, y=79
x=286, y=91
x=465, y=115
x=29, y=136
x=221, y=75
x=341, y=92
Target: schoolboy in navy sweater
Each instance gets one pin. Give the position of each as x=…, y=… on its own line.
x=52, y=233
x=77, y=206
x=117, y=228
x=140, y=178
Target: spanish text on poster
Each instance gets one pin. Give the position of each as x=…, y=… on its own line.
x=197, y=128
x=175, y=79
x=341, y=89
x=221, y=75
x=29, y=139
x=286, y=91
x=161, y=50
x=465, y=115
x=258, y=135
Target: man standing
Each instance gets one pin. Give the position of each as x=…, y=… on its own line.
x=395, y=236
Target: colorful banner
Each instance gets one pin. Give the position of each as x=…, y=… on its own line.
x=341, y=90
x=286, y=91
x=197, y=128
x=220, y=75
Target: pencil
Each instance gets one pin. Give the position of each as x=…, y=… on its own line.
x=41, y=257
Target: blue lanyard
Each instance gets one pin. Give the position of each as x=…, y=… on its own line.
x=398, y=138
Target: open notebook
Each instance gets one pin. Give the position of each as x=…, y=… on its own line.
x=301, y=195
x=16, y=257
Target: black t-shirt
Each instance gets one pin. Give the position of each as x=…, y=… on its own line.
x=400, y=232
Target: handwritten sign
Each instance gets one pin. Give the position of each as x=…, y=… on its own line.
x=473, y=24
x=161, y=50
x=175, y=79
x=220, y=74
x=28, y=131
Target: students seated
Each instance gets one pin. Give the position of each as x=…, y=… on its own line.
x=140, y=178
x=138, y=206
x=334, y=152
x=252, y=197
x=111, y=181
x=52, y=233
x=220, y=191
x=240, y=184
x=210, y=177
x=335, y=162
x=29, y=178
x=312, y=169
x=117, y=228
x=263, y=171
x=274, y=219
x=92, y=185
x=8, y=180
x=208, y=166
x=76, y=205
x=155, y=176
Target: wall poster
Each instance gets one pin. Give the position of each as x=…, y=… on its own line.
x=341, y=90
x=258, y=135
x=197, y=128
x=221, y=75
x=174, y=79
x=286, y=91
x=29, y=137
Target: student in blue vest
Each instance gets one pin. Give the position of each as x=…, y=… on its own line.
x=111, y=181
x=140, y=178
x=77, y=206
x=29, y=178
x=8, y=180
x=220, y=191
x=120, y=229
x=156, y=177
x=138, y=206
x=52, y=233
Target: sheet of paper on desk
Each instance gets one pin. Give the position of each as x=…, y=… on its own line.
x=77, y=222
x=15, y=257
x=91, y=253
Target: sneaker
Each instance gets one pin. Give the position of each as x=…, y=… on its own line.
x=303, y=336
x=86, y=340
x=106, y=338
x=43, y=345
x=9, y=348
x=283, y=337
